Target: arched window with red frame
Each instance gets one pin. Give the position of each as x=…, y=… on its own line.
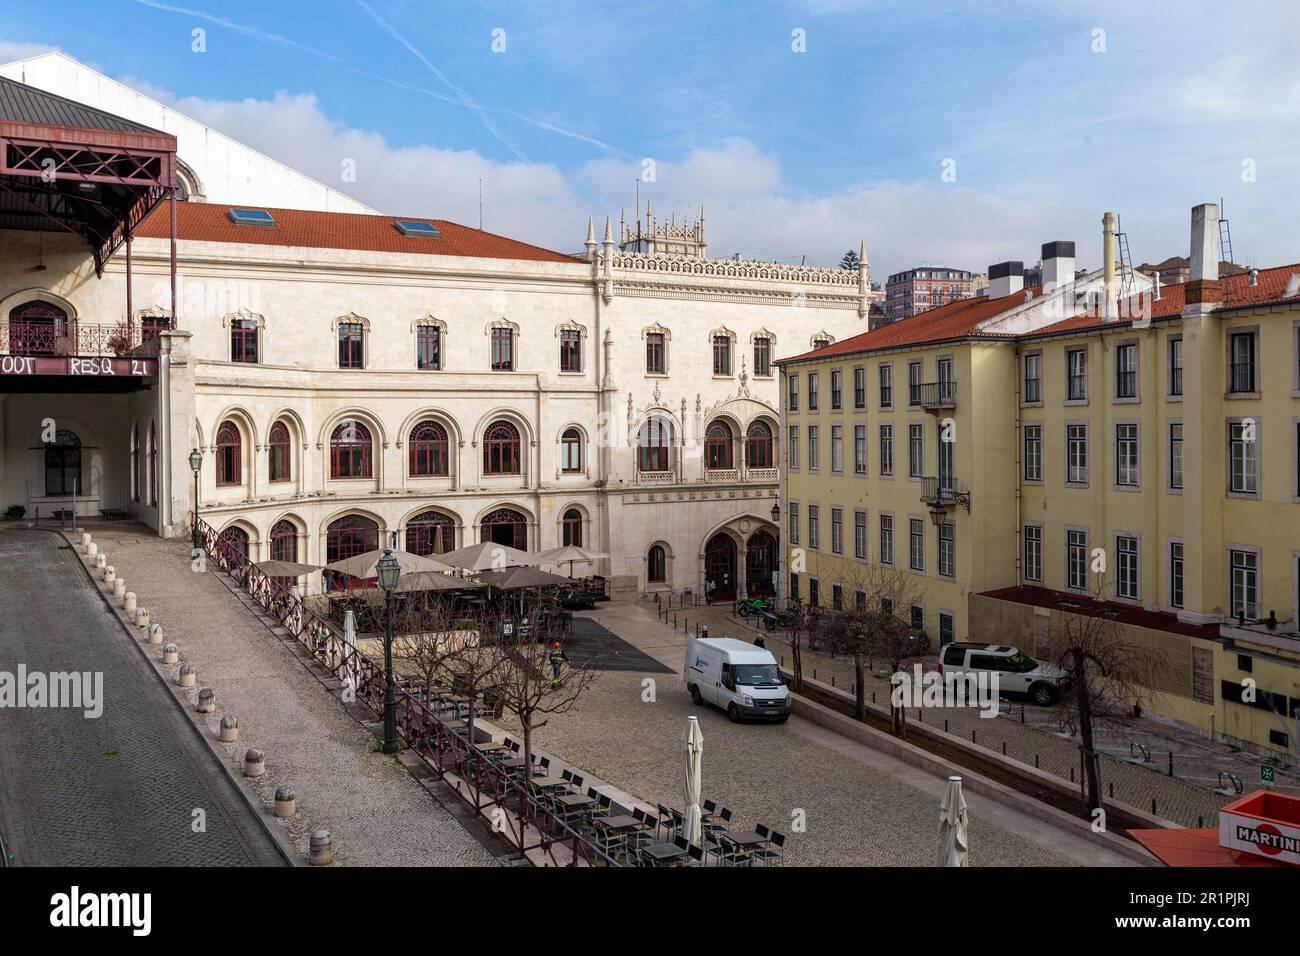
x=279, y=453
x=572, y=528
x=350, y=535
x=233, y=540
x=284, y=541
x=229, y=464
x=501, y=449
x=718, y=447
x=571, y=451
x=429, y=451
x=351, y=450
x=506, y=526
x=431, y=532
x=758, y=445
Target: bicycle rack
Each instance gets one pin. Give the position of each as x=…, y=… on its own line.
x=1139, y=753
x=1233, y=786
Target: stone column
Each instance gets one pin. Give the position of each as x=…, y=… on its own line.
x=176, y=432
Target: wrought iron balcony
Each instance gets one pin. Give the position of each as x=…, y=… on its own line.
x=944, y=492
x=79, y=339
x=936, y=395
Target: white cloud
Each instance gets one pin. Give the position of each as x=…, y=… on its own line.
x=11, y=50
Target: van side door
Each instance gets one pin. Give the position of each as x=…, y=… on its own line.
x=726, y=687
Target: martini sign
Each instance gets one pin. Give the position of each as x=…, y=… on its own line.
x=1263, y=824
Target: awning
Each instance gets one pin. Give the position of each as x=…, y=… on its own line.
x=1178, y=846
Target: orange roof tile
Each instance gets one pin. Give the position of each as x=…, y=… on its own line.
x=210, y=222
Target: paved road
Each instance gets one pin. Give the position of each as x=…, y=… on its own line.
x=116, y=790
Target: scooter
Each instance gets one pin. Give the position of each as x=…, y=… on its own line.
x=757, y=606
x=772, y=618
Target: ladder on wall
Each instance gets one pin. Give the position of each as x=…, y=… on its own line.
x=1127, y=286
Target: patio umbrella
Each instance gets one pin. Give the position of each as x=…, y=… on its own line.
x=364, y=565
x=285, y=569
x=489, y=556
x=512, y=578
x=433, y=581
x=693, y=741
x=570, y=554
x=952, y=825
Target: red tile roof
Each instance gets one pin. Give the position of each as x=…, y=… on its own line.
x=1084, y=604
x=210, y=222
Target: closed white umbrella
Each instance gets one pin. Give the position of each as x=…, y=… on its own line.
x=350, y=639
x=693, y=739
x=953, y=824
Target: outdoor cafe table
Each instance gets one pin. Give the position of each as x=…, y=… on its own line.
x=546, y=783
x=747, y=838
x=574, y=801
x=659, y=852
x=455, y=724
x=619, y=821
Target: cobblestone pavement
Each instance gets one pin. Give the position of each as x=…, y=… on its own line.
x=1188, y=798
x=115, y=790
x=378, y=815
x=861, y=806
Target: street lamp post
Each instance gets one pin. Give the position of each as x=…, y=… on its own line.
x=196, y=462
x=780, y=549
x=389, y=572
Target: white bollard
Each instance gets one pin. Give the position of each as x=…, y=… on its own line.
x=101, y=560
x=85, y=542
x=128, y=602
x=155, y=634
x=254, y=763
x=229, y=731
x=188, y=676
x=108, y=573
x=92, y=549
x=322, y=848
x=286, y=804
x=119, y=587
x=171, y=654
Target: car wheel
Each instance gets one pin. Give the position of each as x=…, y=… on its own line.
x=696, y=696
x=1043, y=694
x=733, y=713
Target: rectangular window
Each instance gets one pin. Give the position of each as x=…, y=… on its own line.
x=722, y=355
x=814, y=592
x=570, y=350
x=859, y=449
x=1126, y=567
x=916, y=544
x=1176, y=455
x=837, y=448
x=1076, y=364
x=1241, y=373
x=837, y=597
x=792, y=393
x=1126, y=455
x=837, y=531
x=428, y=347
x=1243, y=458
x=243, y=341
x=1245, y=584
x=1076, y=560
x=887, y=540
x=1076, y=454
x=794, y=522
x=1126, y=370
x=915, y=451
x=1033, y=552
x=913, y=383
x=859, y=387
x=1034, y=377
x=814, y=526
x=503, y=350
x=813, y=450
x=916, y=617
x=947, y=628
x=860, y=535
x=654, y=353
x=1033, y=452
x=1176, y=574
x=886, y=386
x=1176, y=366
x=762, y=356
x=792, y=455
x=351, y=344
x=887, y=451
x=948, y=549
x=812, y=391
x=837, y=390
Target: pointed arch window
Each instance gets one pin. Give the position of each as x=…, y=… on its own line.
x=501, y=449
x=758, y=445
x=229, y=447
x=279, y=453
x=351, y=450
x=718, y=447
x=429, y=450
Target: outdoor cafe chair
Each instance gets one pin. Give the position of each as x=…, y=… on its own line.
x=773, y=852
x=696, y=854
x=665, y=819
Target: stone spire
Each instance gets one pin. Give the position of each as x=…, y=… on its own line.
x=864, y=281
x=591, y=240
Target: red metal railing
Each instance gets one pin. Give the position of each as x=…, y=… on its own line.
x=83, y=339
x=487, y=783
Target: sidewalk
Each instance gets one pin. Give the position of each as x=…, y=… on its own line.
x=376, y=812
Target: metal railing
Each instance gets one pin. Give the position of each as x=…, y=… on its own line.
x=424, y=732
x=85, y=339
x=938, y=394
x=940, y=490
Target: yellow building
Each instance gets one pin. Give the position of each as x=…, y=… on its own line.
x=1022, y=451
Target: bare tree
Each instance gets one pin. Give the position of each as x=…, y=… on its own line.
x=477, y=663
x=1107, y=679
x=425, y=637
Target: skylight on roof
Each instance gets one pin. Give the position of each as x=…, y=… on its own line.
x=252, y=217
x=413, y=227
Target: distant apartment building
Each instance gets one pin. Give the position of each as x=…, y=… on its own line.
x=1175, y=269
x=924, y=288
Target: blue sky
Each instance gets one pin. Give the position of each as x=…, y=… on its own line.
x=1046, y=122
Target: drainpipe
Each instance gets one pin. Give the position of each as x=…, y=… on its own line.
x=1020, y=474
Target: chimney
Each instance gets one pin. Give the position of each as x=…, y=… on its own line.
x=1203, y=275
x=1006, y=278
x=1109, y=308
x=1058, y=264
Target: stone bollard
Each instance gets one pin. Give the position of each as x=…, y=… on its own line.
x=119, y=588
x=189, y=676
x=92, y=550
x=128, y=601
x=207, y=701
x=254, y=763
x=155, y=634
x=322, y=848
x=108, y=573
x=101, y=560
x=286, y=804
x=141, y=617
x=85, y=542
x=229, y=731
x=171, y=654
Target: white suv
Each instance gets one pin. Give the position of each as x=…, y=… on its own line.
x=1017, y=673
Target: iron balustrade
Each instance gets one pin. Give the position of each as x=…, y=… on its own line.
x=941, y=490
x=80, y=339
x=424, y=732
x=1243, y=377
x=938, y=394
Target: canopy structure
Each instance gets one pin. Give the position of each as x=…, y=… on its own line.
x=433, y=581
x=366, y=565
x=285, y=569
x=570, y=554
x=489, y=556
x=512, y=578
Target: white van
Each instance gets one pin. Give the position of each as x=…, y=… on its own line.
x=742, y=679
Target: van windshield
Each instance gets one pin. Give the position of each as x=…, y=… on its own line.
x=752, y=675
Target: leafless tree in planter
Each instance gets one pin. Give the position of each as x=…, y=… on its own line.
x=478, y=662
x=1108, y=679
x=530, y=688
x=876, y=625
x=425, y=638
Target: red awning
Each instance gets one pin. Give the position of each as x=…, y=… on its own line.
x=1192, y=847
